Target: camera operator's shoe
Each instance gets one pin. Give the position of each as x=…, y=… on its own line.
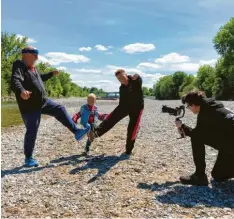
x=196, y=180
x=129, y=153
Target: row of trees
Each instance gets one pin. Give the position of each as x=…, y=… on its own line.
x=60, y=86
x=215, y=81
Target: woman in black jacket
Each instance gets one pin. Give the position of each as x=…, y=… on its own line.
x=215, y=128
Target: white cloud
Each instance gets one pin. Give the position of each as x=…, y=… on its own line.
x=62, y=68
x=85, y=49
x=55, y=58
x=101, y=48
x=106, y=85
x=42, y=59
x=172, y=58
x=211, y=62
x=187, y=67
x=138, y=47
x=29, y=40
x=86, y=70
x=148, y=65
x=192, y=66
x=175, y=62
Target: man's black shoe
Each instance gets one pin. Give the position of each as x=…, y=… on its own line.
x=195, y=180
x=128, y=153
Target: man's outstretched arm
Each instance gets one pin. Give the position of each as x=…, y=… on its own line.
x=47, y=76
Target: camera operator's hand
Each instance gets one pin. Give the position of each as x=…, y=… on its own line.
x=178, y=123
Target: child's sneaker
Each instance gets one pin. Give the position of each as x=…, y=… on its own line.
x=30, y=162
x=79, y=135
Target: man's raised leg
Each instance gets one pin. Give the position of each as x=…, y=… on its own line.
x=60, y=113
x=113, y=118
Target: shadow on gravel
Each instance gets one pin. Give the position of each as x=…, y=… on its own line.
x=68, y=160
x=220, y=195
x=102, y=163
x=62, y=162
x=23, y=169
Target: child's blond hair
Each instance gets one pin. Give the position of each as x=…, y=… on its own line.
x=92, y=95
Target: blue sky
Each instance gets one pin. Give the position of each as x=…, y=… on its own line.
x=91, y=39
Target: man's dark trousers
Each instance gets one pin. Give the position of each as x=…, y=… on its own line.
x=32, y=122
x=224, y=165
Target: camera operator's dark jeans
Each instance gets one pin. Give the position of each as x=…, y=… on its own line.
x=224, y=166
x=32, y=122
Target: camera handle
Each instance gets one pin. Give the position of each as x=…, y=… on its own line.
x=181, y=131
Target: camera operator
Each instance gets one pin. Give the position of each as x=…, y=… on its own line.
x=215, y=128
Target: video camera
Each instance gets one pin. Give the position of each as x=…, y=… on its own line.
x=177, y=111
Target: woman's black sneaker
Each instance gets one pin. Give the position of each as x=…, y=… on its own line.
x=195, y=180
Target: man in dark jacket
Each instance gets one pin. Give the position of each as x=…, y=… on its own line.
x=27, y=84
x=215, y=128
x=131, y=103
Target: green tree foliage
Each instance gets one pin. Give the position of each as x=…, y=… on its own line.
x=224, y=41
x=178, y=79
x=188, y=85
x=223, y=87
x=205, y=79
x=173, y=86
x=4, y=87
x=147, y=91
x=224, y=75
x=11, y=50
x=163, y=89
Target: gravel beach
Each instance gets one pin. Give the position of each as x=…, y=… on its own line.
x=106, y=183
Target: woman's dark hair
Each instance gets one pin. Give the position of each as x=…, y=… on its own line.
x=193, y=98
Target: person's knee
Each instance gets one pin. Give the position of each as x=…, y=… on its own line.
x=61, y=108
x=197, y=140
x=32, y=129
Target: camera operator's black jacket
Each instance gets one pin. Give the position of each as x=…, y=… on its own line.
x=215, y=125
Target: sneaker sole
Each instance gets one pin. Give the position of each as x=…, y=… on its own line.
x=36, y=165
x=78, y=140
